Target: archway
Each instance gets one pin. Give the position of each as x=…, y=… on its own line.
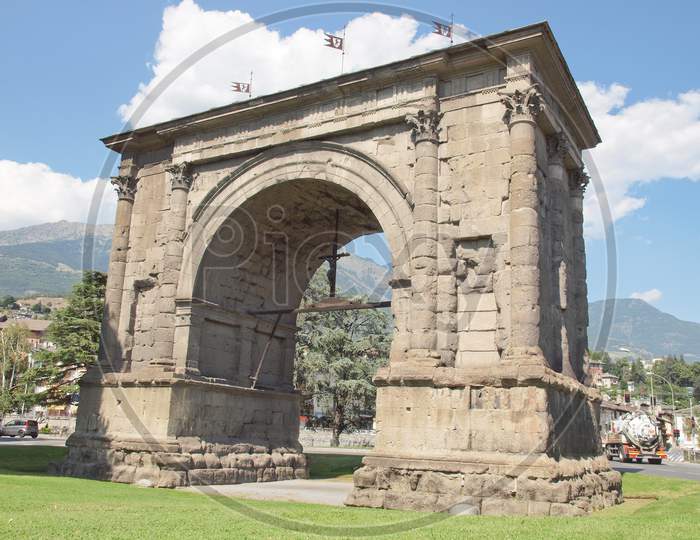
x=222, y=218
x=257, y=267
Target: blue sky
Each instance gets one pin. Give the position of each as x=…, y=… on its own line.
x=72, y=64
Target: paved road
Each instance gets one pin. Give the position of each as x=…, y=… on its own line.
x=28, y=441
x=687, y=471
x=331, y=492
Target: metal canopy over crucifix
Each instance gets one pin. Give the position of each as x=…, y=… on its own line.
x=334, y=257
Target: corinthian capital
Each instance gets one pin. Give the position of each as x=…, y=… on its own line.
x=125, y=186
x=557, y=147
x=424, y=125
x=578, y=180
x=522, y=105
x=181, y=175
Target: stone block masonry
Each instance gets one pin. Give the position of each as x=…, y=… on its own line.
x=468, y=160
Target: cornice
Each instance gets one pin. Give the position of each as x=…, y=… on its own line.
x=493, y=48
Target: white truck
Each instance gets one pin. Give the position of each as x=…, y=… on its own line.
x=635, y=436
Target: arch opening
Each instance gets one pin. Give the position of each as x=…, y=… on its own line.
x=262, y=257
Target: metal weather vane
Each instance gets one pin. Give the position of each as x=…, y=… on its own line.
x=242, y=87
x=337, y=42
x=445, y=30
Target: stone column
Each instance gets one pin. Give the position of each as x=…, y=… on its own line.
x=424, y=248
x=110, y=350
x=557, y=147
x=522, y=108
x=175, y=222
x=578, y=180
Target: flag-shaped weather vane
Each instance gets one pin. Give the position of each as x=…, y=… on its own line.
x=444, y=30
x=336, y=42
x=244, y=88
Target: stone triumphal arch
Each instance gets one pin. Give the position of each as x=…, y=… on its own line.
x=469, y=160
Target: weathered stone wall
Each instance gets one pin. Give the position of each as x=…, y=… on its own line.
x=191, y=435
x=487, y=489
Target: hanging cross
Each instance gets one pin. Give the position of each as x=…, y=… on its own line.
x=333, y=258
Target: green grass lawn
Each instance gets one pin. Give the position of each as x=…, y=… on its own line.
x=333, y=467
x=33, y=505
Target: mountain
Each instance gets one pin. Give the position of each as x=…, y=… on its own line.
x=363, y=277
x=640, y=329
x=49, y=232
x=48, y=258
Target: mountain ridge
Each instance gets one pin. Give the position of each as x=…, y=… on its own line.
x=644, y=330
x=48, y=258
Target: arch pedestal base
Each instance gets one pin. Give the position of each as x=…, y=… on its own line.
x=178, y=431
x=517, y=440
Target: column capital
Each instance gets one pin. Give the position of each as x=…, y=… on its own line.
x=557, y=147
x=424, y=125
x=125, y=186
x=578, y=180
x=181, y=176
x=522, y=105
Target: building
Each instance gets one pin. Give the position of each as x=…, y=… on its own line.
x=609, y=412
x=608, y=380
x=595, y=372
x=37, y=331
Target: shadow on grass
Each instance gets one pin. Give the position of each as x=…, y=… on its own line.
x=327, y=466
x=29, y=460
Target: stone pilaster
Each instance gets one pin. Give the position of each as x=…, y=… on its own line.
x=110, y=350
x=557, y=147
x=175, y=221
x=424, y=249
x=522, y=108
x=578, y=180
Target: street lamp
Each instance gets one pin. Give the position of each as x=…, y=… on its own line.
x=690, y=391
x=673, y=399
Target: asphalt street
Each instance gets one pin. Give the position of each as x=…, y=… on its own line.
x=28, y=441
x=687, y=471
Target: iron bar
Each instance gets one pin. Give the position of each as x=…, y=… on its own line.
x=255, y=377
x=317, y=308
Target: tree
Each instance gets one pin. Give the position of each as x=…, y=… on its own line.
x=40, y=308
x=337, y=355
x=620, y=368
x=8, y=301
x=637, y=373
x=75, y=331
x=17, y=376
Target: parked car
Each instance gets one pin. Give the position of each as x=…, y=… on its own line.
x=21, y=428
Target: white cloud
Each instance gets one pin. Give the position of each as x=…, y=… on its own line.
x=32, y=193
x=652, y=295
x=644, y=141
x=278, y=61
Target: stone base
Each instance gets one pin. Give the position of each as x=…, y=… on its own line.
x=171, y=465
x=513, y=439
x=178, y=431
x=486, y=488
